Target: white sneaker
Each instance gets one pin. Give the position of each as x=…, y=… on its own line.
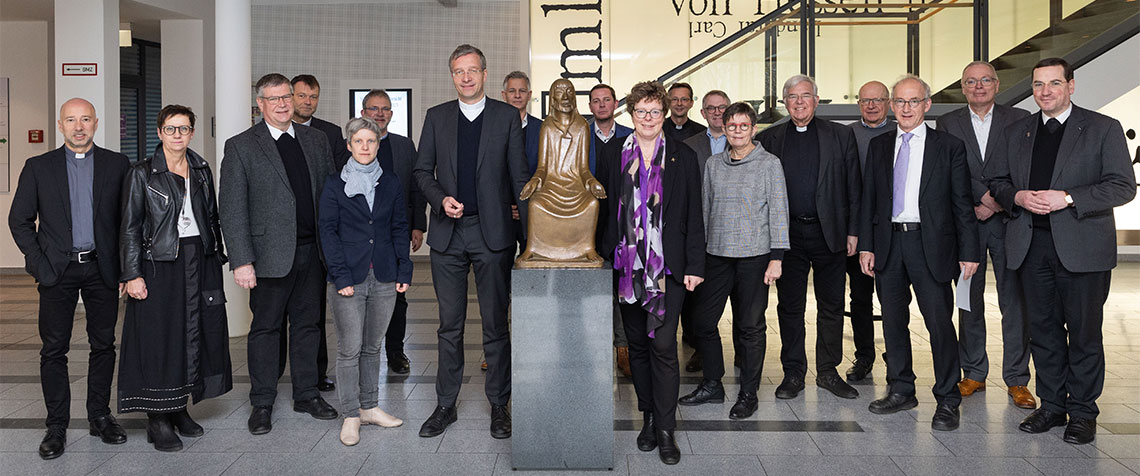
x=350, y=431
x=376, y=416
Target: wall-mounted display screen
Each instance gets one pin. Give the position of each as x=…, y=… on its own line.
x=401, y=108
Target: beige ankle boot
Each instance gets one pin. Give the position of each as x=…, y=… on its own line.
x=376, y=416
x=350, y=431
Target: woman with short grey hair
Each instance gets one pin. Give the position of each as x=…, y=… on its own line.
x=365, y=239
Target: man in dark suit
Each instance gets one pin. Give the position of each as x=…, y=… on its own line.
x=1060, y=173
x=979, y=125
x=271, y=177
x=918, y=230
x=471, y=169
x=306, y=97
x=821, y=169
x=73, y=192
x=679, y=127
x=398, y=154
x=517, y=93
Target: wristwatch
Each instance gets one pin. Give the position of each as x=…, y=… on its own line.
x=1068, y=200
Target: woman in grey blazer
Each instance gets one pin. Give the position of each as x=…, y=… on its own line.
x=746, y=225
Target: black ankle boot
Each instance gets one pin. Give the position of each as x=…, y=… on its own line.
x=185, y=425
x=160, y=432
x=647, y=439
x=667, y=447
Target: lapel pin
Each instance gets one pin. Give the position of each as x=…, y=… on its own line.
x=672, y=159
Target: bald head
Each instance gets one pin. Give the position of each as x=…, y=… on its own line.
x=77, y=123
x=873, y=98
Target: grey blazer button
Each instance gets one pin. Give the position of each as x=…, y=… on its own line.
x=369, y=222
x=211, y=299
x=370, y=242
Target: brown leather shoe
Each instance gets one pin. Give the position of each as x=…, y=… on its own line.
x=968, y=387
x=483, y=365
x=623, y=361
x=1021, y=397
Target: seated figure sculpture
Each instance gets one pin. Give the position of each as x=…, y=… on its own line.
x=563, y=194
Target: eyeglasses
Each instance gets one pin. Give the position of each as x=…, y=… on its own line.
x=169, y=130
x=470, y=72
x=375, y=109
x=899, y=102
x=276, y=99
x=870, y=101
x=653, y=113
x=720, y=108
x=733, y=127
x=986, y=81
x=796, y=97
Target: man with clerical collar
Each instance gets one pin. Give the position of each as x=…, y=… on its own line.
x=679, y=127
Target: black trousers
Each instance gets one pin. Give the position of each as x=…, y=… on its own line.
x=322, y=348
x=862, y=313
x=809, y=252
x=1066, y=312
x=743, y=280
x=56, y=318
x=449, y=270
x=296, y=297
x=397, y=327
x=906, y=266
x=653, y=361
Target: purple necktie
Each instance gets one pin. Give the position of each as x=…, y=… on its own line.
x=901, y=162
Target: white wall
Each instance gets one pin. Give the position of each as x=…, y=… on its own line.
x=25, y=58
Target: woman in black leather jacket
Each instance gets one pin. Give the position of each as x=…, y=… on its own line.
x=175, y=343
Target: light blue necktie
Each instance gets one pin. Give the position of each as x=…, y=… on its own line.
x=901, y=162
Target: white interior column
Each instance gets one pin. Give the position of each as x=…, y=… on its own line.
x=87, y=31
x=184, y=76
x=233, y=24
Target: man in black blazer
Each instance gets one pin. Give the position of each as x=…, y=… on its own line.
x=979, y=125
x=306, y=98
x=272, y=175
x=471, y=169
x=1060, y=173
x=918, y=230
x=398, y=154
x=821, y=169
x=73, y=192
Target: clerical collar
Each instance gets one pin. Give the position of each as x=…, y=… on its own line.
x=472, y=111
x=71, y=154
x=275, y=133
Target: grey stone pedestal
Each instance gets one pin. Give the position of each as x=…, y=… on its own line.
x=562, y=369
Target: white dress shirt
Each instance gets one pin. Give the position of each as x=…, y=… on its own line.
x=982, y=128
x=1062, y=117
x=602, y=135
x=275, y=133
x=913, y=173
x=472, y=111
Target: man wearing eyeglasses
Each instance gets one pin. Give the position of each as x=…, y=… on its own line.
x=471, y=169
x=873, y=121
x=918, y=231
x=679, y=127
x=517, y=93
x=397, y=154
x=271, y=177
x=982, y=123
x=821, y=172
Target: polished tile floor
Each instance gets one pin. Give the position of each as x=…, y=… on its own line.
x=815, y=433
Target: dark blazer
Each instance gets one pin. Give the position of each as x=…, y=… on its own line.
x=404, y=159
x=959, y=124
x=596, y=144
x=42, y=194
x=531, y=133
x=946, y=213
x=354, y=237
x=1093, y=166
x=501, y=170
x=256, y=203
x=340, y=153
x=683, y=226
x=838, y=190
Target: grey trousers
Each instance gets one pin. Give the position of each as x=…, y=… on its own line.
x=361, y=321
x=1014, y=323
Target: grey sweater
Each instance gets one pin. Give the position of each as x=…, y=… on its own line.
x=746, y=205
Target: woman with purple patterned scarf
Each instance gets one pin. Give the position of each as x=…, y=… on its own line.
x=653, y=229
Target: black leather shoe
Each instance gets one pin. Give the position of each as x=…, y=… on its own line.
x=1041, y=420
x=647, y=439
x=260, y=420
x=438, y=421
x=745, y=406
x=893, y=403
x=1081, y=431
x=185, y=425
x=325, y=384
x=837, y=386
x=108, y=430
x=399, y=364
x=694, y=363
x=859, y=371
x=667, y=447
x=161, y=433
x=500, y=422
x=790, y=388
x=54, y=441
x=709, y=391
x=317, y=407
x=945, y=417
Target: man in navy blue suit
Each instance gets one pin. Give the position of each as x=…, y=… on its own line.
x=517, y=93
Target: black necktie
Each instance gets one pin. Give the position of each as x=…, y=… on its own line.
x=1052, y=125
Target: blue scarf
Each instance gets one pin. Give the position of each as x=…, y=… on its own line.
x=360, y=179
